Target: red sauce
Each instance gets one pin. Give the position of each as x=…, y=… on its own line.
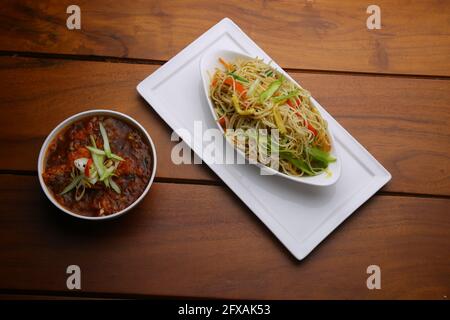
x=133, y=174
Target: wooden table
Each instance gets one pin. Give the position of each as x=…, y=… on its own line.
x=191, y=236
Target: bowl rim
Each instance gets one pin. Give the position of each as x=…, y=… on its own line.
x=320, y=180
x=64, y=124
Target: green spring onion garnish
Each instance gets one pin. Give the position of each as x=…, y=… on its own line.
x=100, y=167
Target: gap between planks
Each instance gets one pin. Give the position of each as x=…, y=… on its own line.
x=204, y=182
x=112, y=59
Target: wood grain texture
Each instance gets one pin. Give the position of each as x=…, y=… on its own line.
x=325, y=35
x=180, y=242
x=404, y=123
x=48, y=91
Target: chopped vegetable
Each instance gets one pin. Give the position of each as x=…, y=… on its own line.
x=96, y=151
x=236, y=77
x=97, y=158
x=311, y=128
x=116, y=157
x=253, y=87
x=223, y=121
x=110, y=168
x=81, y=163
x=107, y=173
x=307, y=124
x=227, y=66
x=298, y=163
x=98, y=162
x=105, y=169
x=103, y=153
x=92, y=141
x=285, y=97
x=106, y=146
x=273, y=87
x=294, y=104
x=114, y=185
x=79, y=191
x=87, y=169
x=214, y=80
x=72, y=185
x=278, y=120
x=321, y=156
x=239, y=87
x=238, y=109
x=106, y=182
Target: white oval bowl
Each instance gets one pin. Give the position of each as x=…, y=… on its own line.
x=208, y=64
x=65, y=124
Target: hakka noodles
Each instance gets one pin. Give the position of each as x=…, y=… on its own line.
x=249, y=94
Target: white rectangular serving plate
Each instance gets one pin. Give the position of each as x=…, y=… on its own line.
x=300, y=216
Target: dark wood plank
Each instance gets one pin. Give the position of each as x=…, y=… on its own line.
x=39, y=94
x=327, y=35
x=403, y=122
x=179, y=241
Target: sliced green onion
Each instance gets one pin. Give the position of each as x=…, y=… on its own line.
x=101, y=171
x=106, y=182
x=96, y=151
x=98, y=163
x=320, y=155
x=116, y=157
x=236, y=77
x=273, y=87
x=107, y=173
x=253, y=87
x=298, y=163
x=93, y=141
x=103, y=153
x=79, y=194
x=98, y=157
x=268, y=73
x=106, y=146
x=286, y=96
x=278, y=120
x=72, y=185
x=114, y=185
